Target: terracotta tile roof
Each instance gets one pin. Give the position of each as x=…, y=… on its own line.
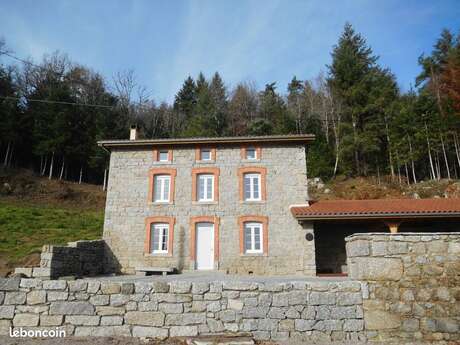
x=378, y=208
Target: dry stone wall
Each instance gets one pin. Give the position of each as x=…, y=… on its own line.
x=414, y=284
x=316, y=310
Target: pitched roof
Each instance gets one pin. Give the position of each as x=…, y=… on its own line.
x=378, y=208
x=293, y=138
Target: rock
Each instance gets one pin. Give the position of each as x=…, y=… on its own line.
x=339, y=313
x=447, y=325
x=183, y=331
x=357, y=248
x=57, y=296
x=304, y=325
x=351, y=298
x=171, y=308
x=54, y=285
x=71, y=308
x=93, y=287
x=376, y=269
x=255, y=312
x=15, y=298
x=215, y=326
x=239, y=285
x=109, y=288
x=36, y=297
x=79, y=320
x=150, y=332
x=9, y=284
x=297, y=297
x=319, y=298
x=112, y=321
x=200, y=288
x=328, y=325
x=103, y=331
x=145, y=318
x=148, y=306
x=78, y=285
x=180, y=287
x=280, y=300
x=99, y=300
x=118, y=300
x=41, y=272
x=25, y=271
x=185, y=319
x=31, y=283
x=21, y=320
x=379, y=319
x=235, y=304
x=6, y=311
x=103, y=310
x=353, y=325
x=410, y=325
x=127, y=288
x=51, y=320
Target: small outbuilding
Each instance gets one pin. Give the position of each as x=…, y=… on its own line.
x=333, y=220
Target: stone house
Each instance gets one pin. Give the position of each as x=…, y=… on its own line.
x=208, y=204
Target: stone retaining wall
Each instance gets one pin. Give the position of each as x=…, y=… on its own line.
x=80, y=258
x=414, y=284
x=318, y=310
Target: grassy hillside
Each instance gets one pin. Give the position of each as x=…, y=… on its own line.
x=35, y=211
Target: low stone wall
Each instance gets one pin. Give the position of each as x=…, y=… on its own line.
x=414, y=284
x=318, y=310
x=80, y=258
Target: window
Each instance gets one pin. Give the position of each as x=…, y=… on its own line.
x=161, y=188
x=251, y=153
x=205, y=155
x=253, y=233
x=252, y=190
x=159, y=237
x=205, y=187
x=163, y=156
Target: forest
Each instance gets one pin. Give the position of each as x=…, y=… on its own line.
x=53, y=112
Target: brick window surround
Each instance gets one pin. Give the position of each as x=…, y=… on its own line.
x=152, y=220
x=204, y=219
x=258, y=219
x=162, y=171
x=263, y=179
x=258, y=153
x=210, y=171
x=198, y=153
x=156, y=154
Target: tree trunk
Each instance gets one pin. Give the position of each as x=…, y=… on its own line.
x=10, y=158
x=355, y=140
x=445, y=157
x=51, y=167
x=378, y=175
x=105, y=179
x=62, y=168
x=412, y=160
x=429, y=152
x=41, y=164
x=81, y=175
x=5, y=161
x=390, y=156
x=407, y=174
x=456, y=148
x=44, y=166
x=438, y=167
x=399, y=175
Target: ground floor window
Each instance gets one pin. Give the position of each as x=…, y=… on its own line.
x=159, y=237
x=253, y=237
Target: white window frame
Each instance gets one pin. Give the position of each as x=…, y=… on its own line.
x=163, y=237
x=162, y=184
x=210, y=155
x=205, y=178
x=255, y=154
x=252, y=177
x=163, y=152
x=253, y=227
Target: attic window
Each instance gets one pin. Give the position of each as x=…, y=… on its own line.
x=163, y=156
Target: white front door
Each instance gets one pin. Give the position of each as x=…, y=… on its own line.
x=204, y=246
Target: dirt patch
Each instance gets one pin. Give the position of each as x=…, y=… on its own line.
x=91, y=341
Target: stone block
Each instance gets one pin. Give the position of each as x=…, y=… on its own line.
x=148, y=306
x=27, y=271
x=446, y=325
x=36, y=297
x=212, y=296
x=454, y=248
x=6, y=311
x=57, y=296
x=379, y=248
x=215, y=326
x=174, y=298
x=31, y=283
x=127, y=288
x=111, y=320
x=339, y=313
x=280, y=300
x=15, y=298
x=171, y=308
x=78, y=285
x=214, y=307
x=376, y=269
x=71, y=308
x=286, y=325
x=292, y=313
x=41, y=272
x=227, y=315
x=381, y=320
x=318, y=298
x=328, y=325
x=304, y=325
x=21, y=320
x=161, y=287
x=278, y=312
x=93, y=287
x=145, y=318
x=183, y=331
x=118, y=300
x=352, y=298
x=267, y=325
x=235, y=304
x=54, y=285
x=150, y=332
x=308, y=313
x=99, y=300
x=239, y=286
x=357, y=248
x=200, y=288
x=51, y=320
x=185, y=319
x=109, y=288
x=231, y=327
x=353, y=325
x=180, y=287
x=5, y=326
x=297, y=297
x=255, y=312
x=396, y=247
x=437, y=246
x=102, y=331
x=410, y=325
x=104, y=310
x=79, y=320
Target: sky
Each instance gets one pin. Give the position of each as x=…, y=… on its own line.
x=245, y=41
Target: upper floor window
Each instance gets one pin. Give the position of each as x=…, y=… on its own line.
x=163, y=156
x=159, y=238
x=251, y=153
x=162, y=186
x=205, y=154
x=252, y=187
x=205, y=187
x=253, y=233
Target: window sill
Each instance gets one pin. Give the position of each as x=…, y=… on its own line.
x=158, y=255
x=162, y=162
x=250, y=160
x=253, y=255
x=161, y=203
x=253, y=202
x=204, y=203
x=205, y=162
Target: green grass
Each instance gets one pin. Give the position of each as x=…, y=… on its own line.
x=24, y=229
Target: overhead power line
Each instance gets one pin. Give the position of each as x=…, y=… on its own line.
x=58, y=102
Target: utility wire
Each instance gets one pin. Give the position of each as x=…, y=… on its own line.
x=57, y=102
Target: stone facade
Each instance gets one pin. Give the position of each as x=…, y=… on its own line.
x=128, y=207
x=307, y=311
x=414, y=284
